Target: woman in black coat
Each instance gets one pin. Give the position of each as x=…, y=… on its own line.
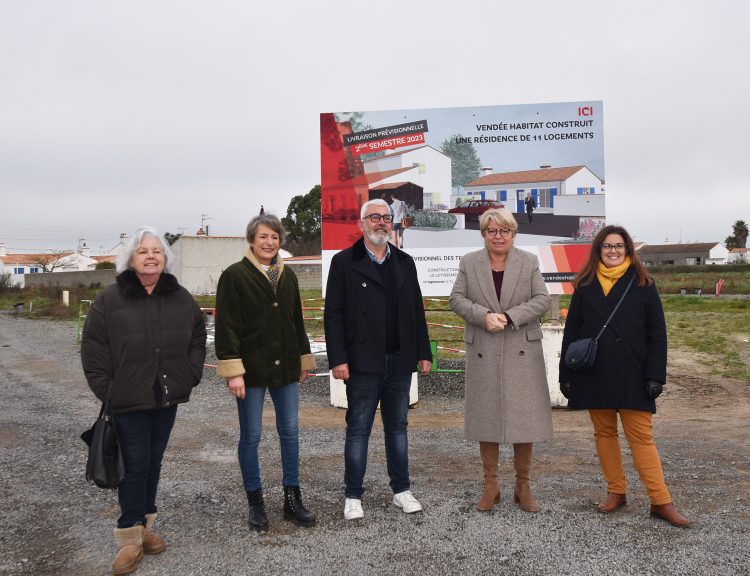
x=144, y=343
x=630, y=368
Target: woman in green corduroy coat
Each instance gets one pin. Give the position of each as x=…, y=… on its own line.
x=261, y=344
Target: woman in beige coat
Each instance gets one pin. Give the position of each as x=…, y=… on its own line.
x=500, y=294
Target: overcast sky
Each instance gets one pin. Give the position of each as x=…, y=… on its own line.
x=117, y=114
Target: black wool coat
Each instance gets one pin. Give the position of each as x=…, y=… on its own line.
x=632, y=350
x=149, y=347
x=354, y=316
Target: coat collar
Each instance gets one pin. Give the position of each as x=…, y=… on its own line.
x=603, y=305
x=362, y=263
x=131, y=285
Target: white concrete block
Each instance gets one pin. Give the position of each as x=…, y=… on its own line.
x=338, y=391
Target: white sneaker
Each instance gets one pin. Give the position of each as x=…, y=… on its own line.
x=353, y=509
x=406, y=501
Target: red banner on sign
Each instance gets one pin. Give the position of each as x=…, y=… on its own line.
x=386, y=144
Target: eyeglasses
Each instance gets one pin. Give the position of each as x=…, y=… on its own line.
x=375, y=218
x=619, y=247
x=504, y=232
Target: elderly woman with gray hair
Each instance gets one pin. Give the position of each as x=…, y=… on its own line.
x=500, y=294
x=144, y=344
x=261, y=344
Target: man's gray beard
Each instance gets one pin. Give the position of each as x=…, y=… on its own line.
x=375, y=237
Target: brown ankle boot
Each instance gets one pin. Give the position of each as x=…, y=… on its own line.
x=669, y=513
x=612, y=502
x=130, y=542
x=522, y=463
x=152, y=542
x=489, y=451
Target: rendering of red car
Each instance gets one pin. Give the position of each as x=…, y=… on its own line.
x=473, y=209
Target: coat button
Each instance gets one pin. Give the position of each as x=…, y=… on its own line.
x=364, y=284
x=364, y=312
x=275, y=304
x=521, y=353
x=277, y=362
x=361, y=340
x=480, y=354
x=163, y=375
x=618, y=340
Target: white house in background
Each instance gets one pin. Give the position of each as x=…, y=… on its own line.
x=432, y=172
x=739, y=256
x=200, y=260
x=19, y=264
x=682, y=254
x=565, y=191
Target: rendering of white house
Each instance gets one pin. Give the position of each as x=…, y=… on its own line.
x=564, y=191
x=430, y=169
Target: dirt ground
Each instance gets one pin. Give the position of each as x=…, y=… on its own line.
x=55, y=523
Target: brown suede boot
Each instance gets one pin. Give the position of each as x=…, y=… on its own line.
x=612, y=502
x=130, y=541
x=522, y=463
x=669, y=513
x=490, y=452
x=152, y=542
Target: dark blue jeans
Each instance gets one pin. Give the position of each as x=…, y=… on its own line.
x=286, y=403
x=143, y=439
x=363, y=392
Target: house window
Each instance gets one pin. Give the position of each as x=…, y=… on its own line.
x=544, y=198
x=34, y=270
x=18, y=270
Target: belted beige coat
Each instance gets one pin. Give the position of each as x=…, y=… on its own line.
x=506, y=394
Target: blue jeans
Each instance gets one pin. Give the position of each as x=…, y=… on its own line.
x=286, y=402
x=143, y=436
x=363, y=392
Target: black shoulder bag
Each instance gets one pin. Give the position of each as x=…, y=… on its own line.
x=105, y=466
x=581, y=354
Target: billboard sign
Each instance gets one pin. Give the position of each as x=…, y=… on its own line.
x=542, y=162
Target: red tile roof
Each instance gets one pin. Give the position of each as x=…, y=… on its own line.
x=539, y=175
x=30, y=259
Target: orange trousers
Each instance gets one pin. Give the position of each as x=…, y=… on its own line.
x=638, y=428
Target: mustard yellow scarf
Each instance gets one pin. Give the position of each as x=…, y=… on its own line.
x=608, y=276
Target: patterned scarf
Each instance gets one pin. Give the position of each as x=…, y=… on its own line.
x=273, y=275
x=608, y=276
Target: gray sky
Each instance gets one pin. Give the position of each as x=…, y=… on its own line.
x=117, y=114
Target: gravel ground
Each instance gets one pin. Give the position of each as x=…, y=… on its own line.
x=56, y=523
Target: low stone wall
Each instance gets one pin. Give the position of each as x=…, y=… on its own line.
x=71, y=279
x=309, y=275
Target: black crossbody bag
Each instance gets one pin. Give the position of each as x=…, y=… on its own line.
x=581, y=354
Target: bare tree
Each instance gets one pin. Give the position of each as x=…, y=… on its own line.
x=52, y=260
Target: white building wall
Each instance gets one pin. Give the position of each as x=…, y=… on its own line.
x=586, y=205
x=433, y=172
x=718, y=255
x=584, y=178
x=200, y=260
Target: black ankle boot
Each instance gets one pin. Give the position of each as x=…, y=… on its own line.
x=257, y=519
x=294, y=509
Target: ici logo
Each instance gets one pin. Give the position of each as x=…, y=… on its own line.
x=585, y=111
